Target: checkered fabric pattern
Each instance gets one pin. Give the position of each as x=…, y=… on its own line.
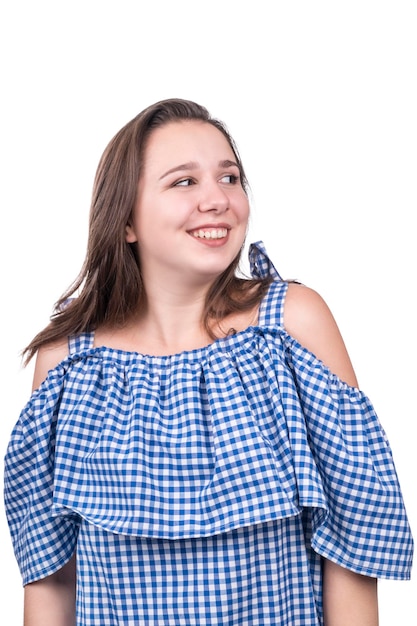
x=202, y=488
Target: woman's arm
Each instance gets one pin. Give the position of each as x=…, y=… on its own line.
x=51, y=601
x=349, y=599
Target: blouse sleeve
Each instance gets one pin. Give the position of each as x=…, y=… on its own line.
x=43, y=542
x=365, y=525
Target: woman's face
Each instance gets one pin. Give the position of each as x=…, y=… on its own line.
x=191, y=212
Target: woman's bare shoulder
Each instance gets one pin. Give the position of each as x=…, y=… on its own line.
x=304, y=308
x=48, y=357
x=308, y=319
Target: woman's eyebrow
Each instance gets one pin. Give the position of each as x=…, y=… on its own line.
x=192, y=165
x=228, y=163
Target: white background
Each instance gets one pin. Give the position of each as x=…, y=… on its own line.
x=322, y=100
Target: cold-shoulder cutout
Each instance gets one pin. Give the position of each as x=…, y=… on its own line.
x=47, y=358
x=308, y=319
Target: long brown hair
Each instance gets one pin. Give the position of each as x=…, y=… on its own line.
x=109, y=285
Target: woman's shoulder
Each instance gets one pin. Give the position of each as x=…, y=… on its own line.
x=308, y=319
x=305, y=308
x=48, y=357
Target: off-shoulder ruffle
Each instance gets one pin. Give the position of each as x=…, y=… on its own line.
x=250, y=429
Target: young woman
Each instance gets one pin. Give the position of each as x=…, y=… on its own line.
x=195, y=450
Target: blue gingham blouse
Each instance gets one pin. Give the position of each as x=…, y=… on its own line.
x=202, y=488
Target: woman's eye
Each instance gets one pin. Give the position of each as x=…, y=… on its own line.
x=231, y=179
x=185, y=182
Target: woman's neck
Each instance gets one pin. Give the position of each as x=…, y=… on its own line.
x=170, y=323
x=172, y=326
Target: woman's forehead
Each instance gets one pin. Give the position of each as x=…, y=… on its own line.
x=189, y=140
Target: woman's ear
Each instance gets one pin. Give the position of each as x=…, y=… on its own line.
x=130, y=234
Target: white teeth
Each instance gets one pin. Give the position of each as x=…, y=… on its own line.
x=210, y=233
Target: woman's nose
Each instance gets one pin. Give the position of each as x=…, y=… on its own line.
x=213, y=198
